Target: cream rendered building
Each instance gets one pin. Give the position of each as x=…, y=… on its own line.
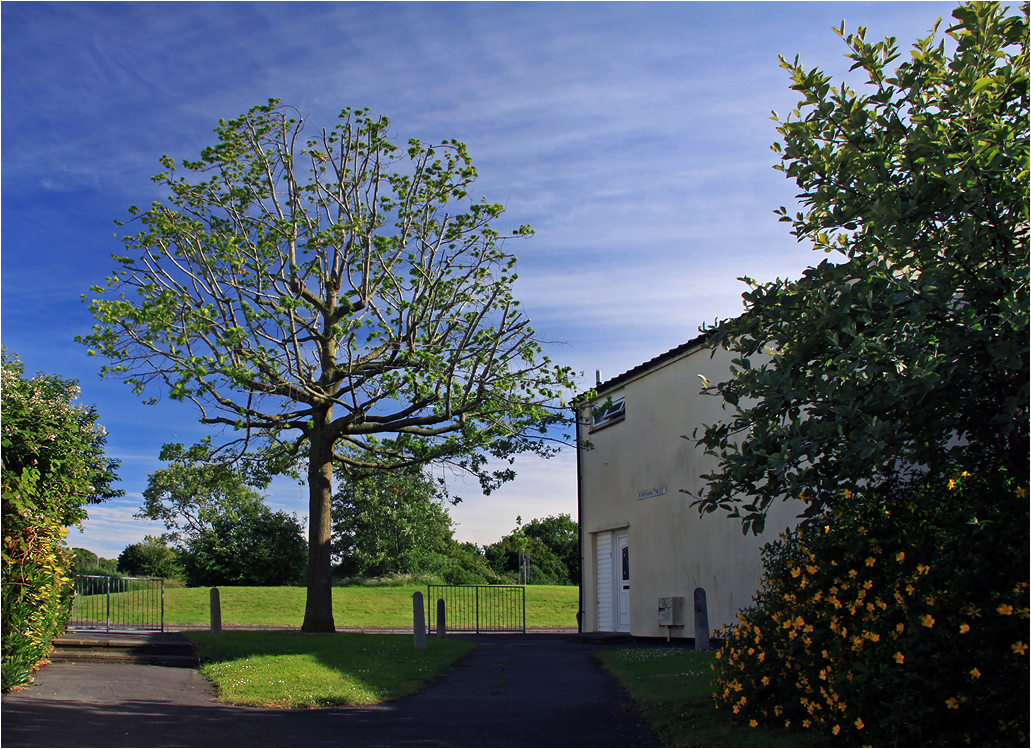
x=640, y=539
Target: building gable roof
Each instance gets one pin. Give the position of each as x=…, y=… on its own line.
x=619, y=379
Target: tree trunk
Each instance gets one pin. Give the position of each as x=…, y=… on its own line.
x=318, y=611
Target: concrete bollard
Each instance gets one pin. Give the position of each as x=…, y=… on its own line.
x=216, y=612
x=441, y=619
x=701, y=620
x=419, y=621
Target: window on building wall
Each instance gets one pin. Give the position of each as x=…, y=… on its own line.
x=609, y=412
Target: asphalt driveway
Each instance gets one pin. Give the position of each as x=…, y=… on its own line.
x=515, y=690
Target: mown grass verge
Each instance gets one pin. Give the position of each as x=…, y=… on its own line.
x=358, y=606
x=277, y=668
x=672, y=688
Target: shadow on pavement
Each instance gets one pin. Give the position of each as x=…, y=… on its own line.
x=529, y=690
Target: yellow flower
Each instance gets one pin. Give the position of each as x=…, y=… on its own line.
x=795, y=572
x=753, y=722
x=952, y=484
x=901, y=556
x=762, y=656
x=811, y=568
x=900, y=627
x=859, y=723
x=927, y=620
x=873, y=637
x=806, y=723
x=1005, y=609
x=766, y=681
x=848, y=494
x=1020, y=491
x=1019, y=648
x=870, y=561
x=852, y=573
x=975, y=673
x=964, y=628
x=923, y=569
x=899, y=658
x=836, y=730
x=952, y=703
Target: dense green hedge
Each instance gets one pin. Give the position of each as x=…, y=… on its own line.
x=53, y=466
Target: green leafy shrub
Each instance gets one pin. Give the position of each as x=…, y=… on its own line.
x=901, y=620
x=260, y=548
x=53, y=466
x=150, y=558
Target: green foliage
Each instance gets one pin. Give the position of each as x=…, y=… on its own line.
x=308, y=288
x=561, y=534
x=465, y=564
x=392, y=523
x=260, y=547
x=543, y=564
x=901, y=620
x=193, y=490
x=53, y=466
x=908, y=359
x=149, y=558
x=83, y=559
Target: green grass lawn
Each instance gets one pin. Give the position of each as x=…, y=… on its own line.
x=277, y=668
x=357, y=606
x=672, y=689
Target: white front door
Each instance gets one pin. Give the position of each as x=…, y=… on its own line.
x=622, y=583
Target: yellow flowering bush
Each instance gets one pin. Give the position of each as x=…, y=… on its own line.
x=902, y=620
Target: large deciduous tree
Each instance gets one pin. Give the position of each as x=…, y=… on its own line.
x=904, y=356
x=315, y=289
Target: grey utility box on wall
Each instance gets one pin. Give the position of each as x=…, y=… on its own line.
x=671, y=612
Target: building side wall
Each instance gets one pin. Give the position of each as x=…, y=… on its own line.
x=673, y=550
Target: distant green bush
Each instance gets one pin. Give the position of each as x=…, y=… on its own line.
x=150, y=558
x=260, y=548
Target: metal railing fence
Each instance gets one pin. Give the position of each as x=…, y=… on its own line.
x=118, y=604
x=478, y=608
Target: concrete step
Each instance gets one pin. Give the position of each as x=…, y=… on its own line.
x=153, y=648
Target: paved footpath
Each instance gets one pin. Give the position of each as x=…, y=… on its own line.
x=535, y=690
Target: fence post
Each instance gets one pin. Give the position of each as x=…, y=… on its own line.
x=107, y=616
x=216, y=612
x=701, y=620
x=441, y=619
x=419, y=621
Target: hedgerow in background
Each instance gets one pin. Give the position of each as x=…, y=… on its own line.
x=53, y=466
x=902, y=620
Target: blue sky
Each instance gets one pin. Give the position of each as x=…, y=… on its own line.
x=633, y=137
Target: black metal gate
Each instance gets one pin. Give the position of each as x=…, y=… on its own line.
x=478, y=608
x=118, y=604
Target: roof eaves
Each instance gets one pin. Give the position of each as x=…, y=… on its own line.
x=619, y=379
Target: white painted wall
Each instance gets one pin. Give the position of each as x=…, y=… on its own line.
x=673, y=550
